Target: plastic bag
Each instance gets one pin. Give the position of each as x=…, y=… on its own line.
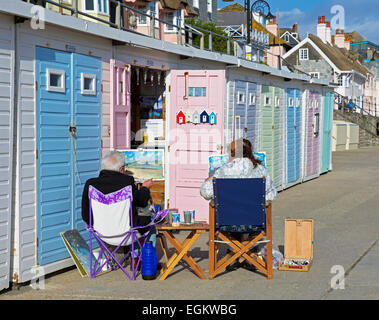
x=277, y=257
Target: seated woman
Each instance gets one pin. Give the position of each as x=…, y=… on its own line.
x=242, y=164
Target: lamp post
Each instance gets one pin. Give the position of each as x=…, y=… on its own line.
x=259, y=6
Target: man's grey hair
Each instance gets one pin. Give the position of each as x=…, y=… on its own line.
x=113, y=161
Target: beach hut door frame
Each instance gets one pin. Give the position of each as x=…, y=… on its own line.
x=68, y=144
x=190, y=144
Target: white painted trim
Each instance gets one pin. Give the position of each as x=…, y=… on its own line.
x=87, y=91
x=62, y=74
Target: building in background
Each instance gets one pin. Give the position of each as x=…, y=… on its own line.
x=320, y=58
x=206, y=9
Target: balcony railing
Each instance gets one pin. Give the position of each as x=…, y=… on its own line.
x=125, y=17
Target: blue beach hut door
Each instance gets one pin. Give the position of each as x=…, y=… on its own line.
x=68, y=144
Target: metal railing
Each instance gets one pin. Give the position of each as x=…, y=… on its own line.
x=127, y=18
x=357, y=114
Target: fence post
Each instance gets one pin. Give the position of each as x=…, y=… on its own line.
x=228, y=47
x=75, y=7
x=210, y=42
x=180, y=39
x=118, y=15
x=152, y=24
x=235, y=49
x=202, y=41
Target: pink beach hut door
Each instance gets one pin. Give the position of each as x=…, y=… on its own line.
x=191, y=144
x=120, y=105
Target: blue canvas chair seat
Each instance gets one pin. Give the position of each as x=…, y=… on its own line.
x=239, y=207
x=111, y=222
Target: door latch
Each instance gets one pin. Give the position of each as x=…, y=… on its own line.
x=72, y=130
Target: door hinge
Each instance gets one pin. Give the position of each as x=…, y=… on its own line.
x=169, y=88
x=37, y=242
x=101, y=88
x=168, y=148
x=37, y=154
x=36, y=85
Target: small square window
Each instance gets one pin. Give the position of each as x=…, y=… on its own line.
x=252, y=99
x=55, y=80
x=277, y=102
x=267, y=101
x=88, y=84
x=241, y=97
x=197, y=92
x=290, y=102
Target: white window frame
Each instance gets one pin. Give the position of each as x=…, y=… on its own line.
x=93, y=78
x=252, y=99
x=277, y=101
x=240, y=97
x=315, y=75
x=298, y=102
x=304, y=54
x=294, y=34
x=290, y=102
x=267, y=102
x=146, y=9
x=62, y=74
x=286, y=37
x=209, y=6
x=166, y=26
x=96, y=8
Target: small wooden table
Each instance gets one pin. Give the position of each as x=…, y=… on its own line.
x=165, y=230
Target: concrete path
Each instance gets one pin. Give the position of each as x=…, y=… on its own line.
x=345, y=207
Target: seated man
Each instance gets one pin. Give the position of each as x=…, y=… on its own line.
x=112, y=178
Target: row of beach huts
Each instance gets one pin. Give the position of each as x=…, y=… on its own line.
x=76, y=89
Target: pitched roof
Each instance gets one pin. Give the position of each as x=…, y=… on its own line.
x=339, y=57
x=235, y=7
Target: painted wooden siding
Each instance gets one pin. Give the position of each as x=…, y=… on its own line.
x=6, y=144
x=326, y=134
x=25, y=209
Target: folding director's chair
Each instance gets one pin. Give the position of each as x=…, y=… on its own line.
x=111, y=222
x=239, y=202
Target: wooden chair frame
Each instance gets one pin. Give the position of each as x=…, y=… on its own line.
x=239, y=249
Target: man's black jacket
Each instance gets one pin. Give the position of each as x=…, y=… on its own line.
x=111, y=181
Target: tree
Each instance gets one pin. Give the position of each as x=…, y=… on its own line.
x=219, y=44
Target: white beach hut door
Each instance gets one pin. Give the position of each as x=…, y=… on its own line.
x=6, y=146
x=68, y=144
x=192, y=144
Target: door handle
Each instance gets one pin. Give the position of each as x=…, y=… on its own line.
x=294, y=127
x=72, y=130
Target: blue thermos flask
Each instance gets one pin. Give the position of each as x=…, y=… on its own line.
x=149, y=262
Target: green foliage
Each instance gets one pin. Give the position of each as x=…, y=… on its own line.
x=219, y=44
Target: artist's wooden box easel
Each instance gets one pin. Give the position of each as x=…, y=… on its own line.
x=298, y=244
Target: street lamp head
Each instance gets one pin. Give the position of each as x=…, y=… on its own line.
x=270, y=16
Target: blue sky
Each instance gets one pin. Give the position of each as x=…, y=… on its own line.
x=360, y=15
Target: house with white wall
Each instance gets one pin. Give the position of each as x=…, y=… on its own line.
x=317, y=56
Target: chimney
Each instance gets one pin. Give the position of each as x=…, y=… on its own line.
x=328, y=35
x=321, y=28
x=348, y=40
x=339, y=39
x=273, y=27
x=294, y=27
